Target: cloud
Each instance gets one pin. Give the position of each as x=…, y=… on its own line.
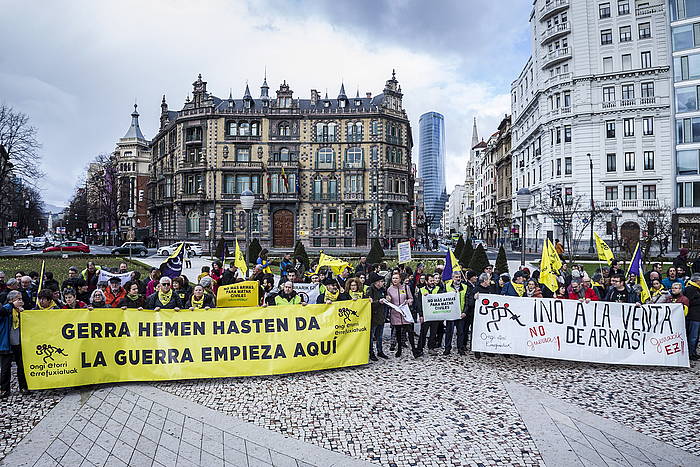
x=77, y=66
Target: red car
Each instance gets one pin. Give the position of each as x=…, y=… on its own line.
x=78, y=247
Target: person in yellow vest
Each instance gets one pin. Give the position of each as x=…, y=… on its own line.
x=286, y=296
x=331, y=293
x=431, y=288
x=456, y=285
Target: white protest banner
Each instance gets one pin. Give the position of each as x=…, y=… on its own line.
x=309, y=292
x=441, y=306
x=106, y=276
x=403, y=309
x=600, y=332
x=404, y=249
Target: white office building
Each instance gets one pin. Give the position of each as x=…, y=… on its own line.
x=455, y=208
x=598, y=83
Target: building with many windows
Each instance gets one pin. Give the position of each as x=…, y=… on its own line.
x=595, y=92
x=685, y=40
x=432, y=166
x=330, y=172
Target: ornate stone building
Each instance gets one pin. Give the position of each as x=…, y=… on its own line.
x=330, y=172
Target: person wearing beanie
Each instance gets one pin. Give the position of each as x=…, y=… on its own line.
x=331, y=293
x=516, y=287
x=377, y=294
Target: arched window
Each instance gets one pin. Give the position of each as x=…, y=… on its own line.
x=325, y=158
x=353, y=157
x=193, y=222
x=244, y=129
x=283, y=129
x=284, y=154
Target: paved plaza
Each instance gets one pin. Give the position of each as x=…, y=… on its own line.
x=435, y=411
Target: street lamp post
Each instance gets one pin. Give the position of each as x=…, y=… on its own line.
x=616, y=215
x=247, y=201
x=130, y=214
x=523, y=199
x=390, y=215
x=590, y=242
x=212, y=218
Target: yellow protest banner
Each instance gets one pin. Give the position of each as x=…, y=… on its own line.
x=238, y=294
x=63, y=348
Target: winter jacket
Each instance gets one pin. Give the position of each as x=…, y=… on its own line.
x=398, y=296
x=5, y=327
x=113, y=299
x=378, y=312
x=584, y=293
x=692, y=292
x=153, y=302
x=625, y=296
x=209, y=301
x=140, y=302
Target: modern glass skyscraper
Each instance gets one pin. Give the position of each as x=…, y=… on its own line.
x=432, y=166
x=685, y=30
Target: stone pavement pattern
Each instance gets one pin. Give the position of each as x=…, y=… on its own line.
x=435, y=411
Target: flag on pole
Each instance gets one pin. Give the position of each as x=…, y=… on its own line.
x=285, y=179
x=41, y=277
x=604, y=251
x=239, y=261
x=172, y=267
x=554, y=258
x=547, y=275
x=336, y=264
x=636, y=268
x=451, y=265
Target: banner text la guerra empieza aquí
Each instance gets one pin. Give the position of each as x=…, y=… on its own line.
x=63, y=348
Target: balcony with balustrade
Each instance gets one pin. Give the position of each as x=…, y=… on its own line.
x=242, y=165
x=283, y=197
x=639, y=102
x=552, y=8
x=628, y=204
x=555, y=32
x=324, y=197
x=555, y=57
x=647, y=10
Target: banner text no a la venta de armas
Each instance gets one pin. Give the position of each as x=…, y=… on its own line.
x=63, y=348
x=600, y=332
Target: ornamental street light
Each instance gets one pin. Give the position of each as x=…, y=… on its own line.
x=523, y=197
x=247, y=201
x=212, y=217
x=130, y=214
x=590, y=242
x=390, y=215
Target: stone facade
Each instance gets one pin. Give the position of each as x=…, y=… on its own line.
x=329, y=172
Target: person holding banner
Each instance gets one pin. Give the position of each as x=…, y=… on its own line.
x=377, y=294
x=425, y=326
x=115, y=292
x=288, y=296
x=331, y=293
x=692, y=320
x=164, y=297
x=45, y=301
x=581, y=293
x=71, y=301
x=456, y=285
x=353, y=290
x=620, y=292
x=399, y=295
x=10, y=348
x=200, y=300
x=97, y=300
x=485, y=286
x=132, y=299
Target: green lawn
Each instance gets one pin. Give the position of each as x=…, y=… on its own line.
x=59, y=266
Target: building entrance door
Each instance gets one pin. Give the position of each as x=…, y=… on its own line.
x=360, y=234
x=283, y=229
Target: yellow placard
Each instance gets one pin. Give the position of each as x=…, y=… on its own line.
x=63, y=348
x=239, y=294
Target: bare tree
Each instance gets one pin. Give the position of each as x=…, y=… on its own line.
x=657, y=228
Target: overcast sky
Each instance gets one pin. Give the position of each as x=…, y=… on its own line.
x=75, y=67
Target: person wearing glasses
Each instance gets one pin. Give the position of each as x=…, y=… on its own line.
x=164, y=297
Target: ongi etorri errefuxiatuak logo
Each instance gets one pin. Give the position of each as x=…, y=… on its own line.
x=346, y=314
x=48, y=351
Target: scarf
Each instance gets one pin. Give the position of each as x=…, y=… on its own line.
x=329, y=296
x=49, y=307
x=15, y=318
x=133, y=298
x=197, y=303
x=164, y=297
x=354, y=295
x=519, y=288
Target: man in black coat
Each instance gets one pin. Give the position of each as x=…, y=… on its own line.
x=164, y=297
x=692, y=321
x=483, y=286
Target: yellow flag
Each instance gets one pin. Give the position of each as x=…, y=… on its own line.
x=336, y=264
x=554, y=258
x=239, y=261
x=455, y=263
x=547, y=276
x=604, y=251
x=41, y=277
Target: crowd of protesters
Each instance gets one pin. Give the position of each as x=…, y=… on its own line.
x=384, y=287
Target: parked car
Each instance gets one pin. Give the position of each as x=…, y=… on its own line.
x=133, y=248
x=22, y=243
x=70, y=246
x=168, y=250
x=39, y=243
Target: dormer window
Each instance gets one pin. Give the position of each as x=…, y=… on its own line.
x=247, y=104
x=284, y=102
x=358, y=103
x=326, y=104
x=341, y=104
